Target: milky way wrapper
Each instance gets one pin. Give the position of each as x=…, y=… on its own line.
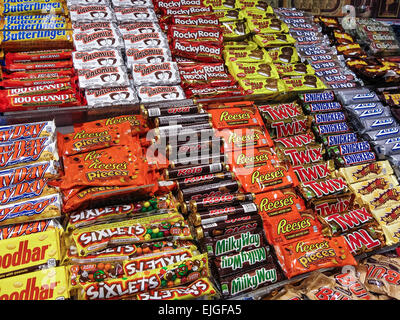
x=46, y=284
x=30, y=253
x=312, y=254
x=380, y=275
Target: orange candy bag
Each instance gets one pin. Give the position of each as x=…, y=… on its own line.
x=313, y=253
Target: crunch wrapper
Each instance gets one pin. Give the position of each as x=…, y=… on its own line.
x=47, y=284
x=29, y=253
x=179, y=273
x=312, y=254
x=157, y=227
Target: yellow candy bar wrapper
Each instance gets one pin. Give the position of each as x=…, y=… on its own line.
x=31, y=40
x=180, y=273
x=29, y=253
x=250, y=70
x=201, y=289
x=387, y=216
x=249, y=13
x=392, y=233
x=272, y=40
x=156, y=227
x=27, y=228
x=245, y=45
x=264, y=26
x=294, y=69
x=380, y=183
x=303, y=83
x=380, y=199
x=57, y=7
x=367, y=171
x=283, y=54
x=257, y=55
x=262, y=86
x=46, y=284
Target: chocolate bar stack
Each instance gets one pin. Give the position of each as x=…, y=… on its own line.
x=98, y=58
x=37, y=68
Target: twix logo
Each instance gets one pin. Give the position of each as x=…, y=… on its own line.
x=326, y=187
x=326, y=209
x=309, y=155
x=291, y=128
x=281, y=112
x=295, y=141
x=311, y=173
x=350, y=220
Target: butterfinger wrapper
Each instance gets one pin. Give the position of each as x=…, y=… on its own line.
x=103, y=77
x=158, y=74
x=149, y=94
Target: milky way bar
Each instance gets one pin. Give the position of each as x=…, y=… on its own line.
x=97, y=58
x=115, y=76
x=113, y=96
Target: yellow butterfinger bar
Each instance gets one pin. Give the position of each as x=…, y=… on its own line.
x=34, y=7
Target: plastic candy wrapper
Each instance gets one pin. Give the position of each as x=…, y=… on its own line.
x=103, y=77
x=302, y=83
x=327, y=206
x=366, y=172
x=28, y=151
x=147, y=56
x=97, y=58
x=260, y=170
x=156, y=227
x=102, y=39
x=204, y=52
x=45, y=246
x=88, y=217
x=37, y=285
x=331, y=186
x=314, y=171
x=127, y=14
x=91, y=13
x=109, y=97
x=191, y=33
x=379, y=199
x=365, y=239
x=34, y=7
x=379, y=273
x=294, y=141
x=256, y=55
x=232, y=118
x=252, y=70
x=148, y=94
x=263, y=86
x=312, y=254
x=311, y=153
x=288, y=126
x=238, y=139
x=366, y=187
x=183, y=272
x=214, y=189
x=284, y=54
x=199, y=289
x=251, y=279
x=165, y=73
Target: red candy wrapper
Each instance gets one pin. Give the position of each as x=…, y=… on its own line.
x=201, y=51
